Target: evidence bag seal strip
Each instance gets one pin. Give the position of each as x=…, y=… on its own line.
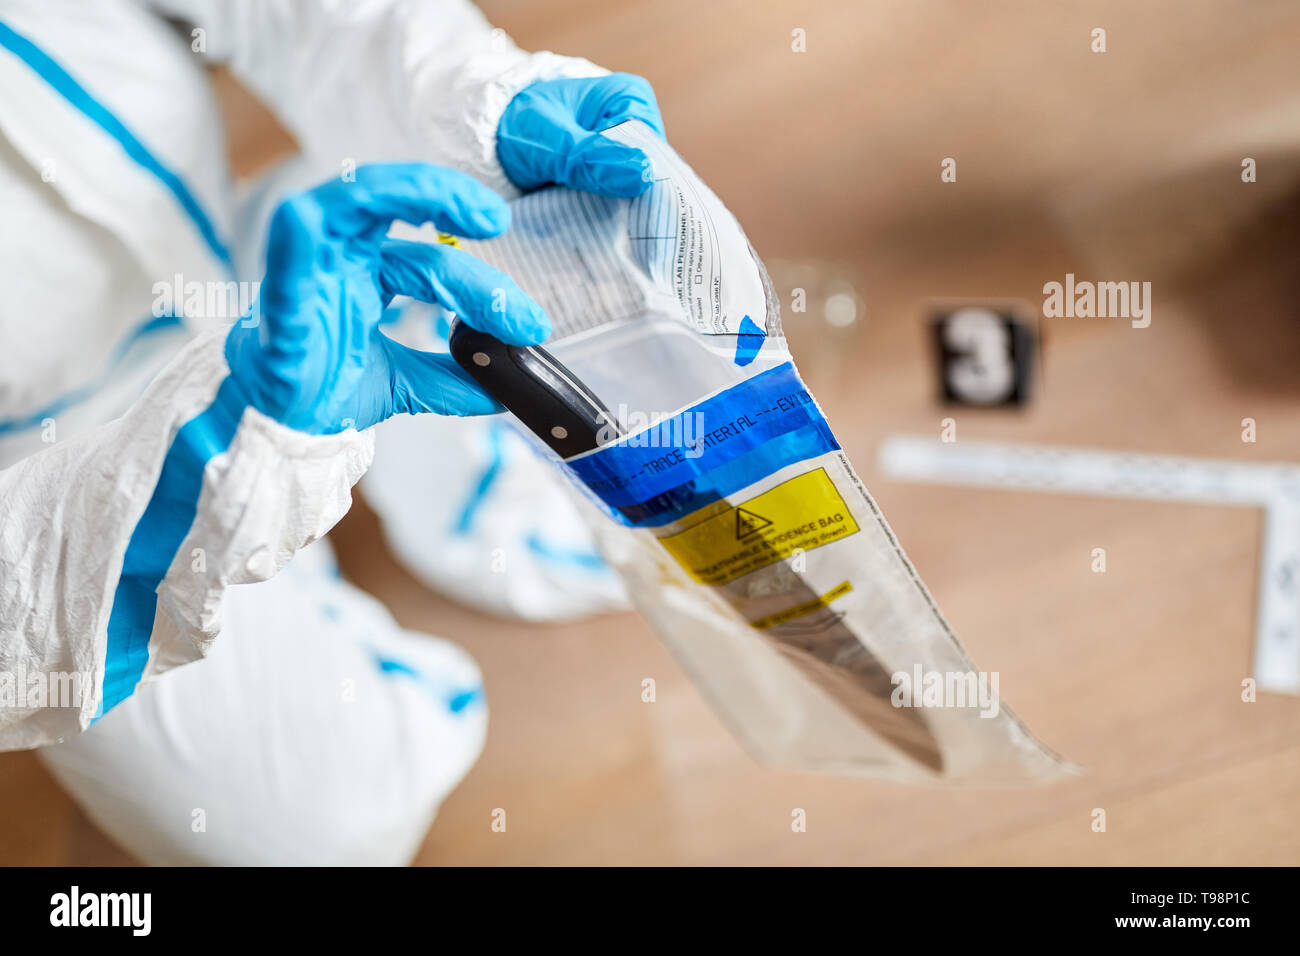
x=709, y=451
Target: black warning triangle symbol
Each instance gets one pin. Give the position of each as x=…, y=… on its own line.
x=747, y=523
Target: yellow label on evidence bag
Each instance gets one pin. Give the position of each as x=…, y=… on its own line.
x=805, y=512
x=807, y=607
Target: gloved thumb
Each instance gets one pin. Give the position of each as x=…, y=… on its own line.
x=433, y=382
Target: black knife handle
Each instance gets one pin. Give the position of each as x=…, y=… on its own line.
x=537, y=388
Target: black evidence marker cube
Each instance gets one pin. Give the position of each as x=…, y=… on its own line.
x=985, y=356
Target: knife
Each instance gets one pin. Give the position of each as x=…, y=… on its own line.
x=537, y=388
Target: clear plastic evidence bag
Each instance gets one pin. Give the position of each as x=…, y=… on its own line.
x=745, y=537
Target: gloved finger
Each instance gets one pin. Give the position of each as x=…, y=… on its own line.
x=617, y=98
x=432, y=382
x=484, y=297
x=598, y=164
x=412, y=192
x=550, y=133
x=547, y=145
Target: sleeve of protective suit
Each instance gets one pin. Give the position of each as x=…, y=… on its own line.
x=116, y=546
x=383, y=80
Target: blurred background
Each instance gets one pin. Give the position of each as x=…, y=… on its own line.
x=1124, y=165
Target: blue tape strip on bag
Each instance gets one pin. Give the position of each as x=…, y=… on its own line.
x=745, y=433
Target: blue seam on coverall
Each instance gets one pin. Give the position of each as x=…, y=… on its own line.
x=157, y=537
x=456, y=701
x=86, y=391
x=62, y=82
x=587, y=560
x=487, y=479
x=174, y=503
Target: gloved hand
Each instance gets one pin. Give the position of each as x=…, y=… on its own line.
x=550, y=133
x=315, y=359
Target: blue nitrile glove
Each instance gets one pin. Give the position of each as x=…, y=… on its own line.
x=550, y=133
x=315, y=359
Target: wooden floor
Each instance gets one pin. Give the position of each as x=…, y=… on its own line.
x=1120, y=166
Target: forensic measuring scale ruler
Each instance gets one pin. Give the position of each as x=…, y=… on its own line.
x=1273, y=487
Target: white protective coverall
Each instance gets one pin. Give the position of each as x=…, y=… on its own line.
x=314, y=729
